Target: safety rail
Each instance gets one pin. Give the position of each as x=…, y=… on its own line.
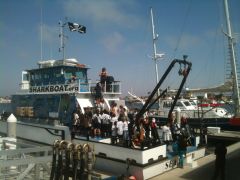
x=72, y=86
x=21, y=161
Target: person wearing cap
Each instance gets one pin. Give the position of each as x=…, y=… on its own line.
x=103, y=77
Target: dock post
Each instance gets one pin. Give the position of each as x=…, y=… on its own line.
x=11, y=126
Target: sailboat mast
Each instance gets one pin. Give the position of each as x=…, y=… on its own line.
x=236, y=97
x=154, y=46
x=155, y=53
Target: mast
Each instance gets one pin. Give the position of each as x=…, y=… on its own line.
x=154, y=47
x=155, y=55
x=62, y=36
x=236, y=97
x=41, y=34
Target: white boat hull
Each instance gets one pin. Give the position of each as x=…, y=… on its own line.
x=143, y=164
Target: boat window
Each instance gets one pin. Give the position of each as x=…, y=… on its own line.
x=179, y=104
x=32, y=77
x=25, y=77
x=186, y=103
x=193, y=103
x=68, y=75
x=58, y=75
x=167, y=104
x=79, y=74
x=46, y=76
x=37, y=76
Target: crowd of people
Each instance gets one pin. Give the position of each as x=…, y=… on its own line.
x=117, y=124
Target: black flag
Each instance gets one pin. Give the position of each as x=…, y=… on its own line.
x=76, y=27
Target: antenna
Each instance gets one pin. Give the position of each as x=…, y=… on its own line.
x=155, y=55
x=62, y=37
x=41, y=35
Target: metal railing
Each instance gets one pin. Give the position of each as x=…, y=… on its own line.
x=74, y=86
x=31, y=162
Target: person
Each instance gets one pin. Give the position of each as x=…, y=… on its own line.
x=96, y=123
x=146, y=126
x=125, y=132
x=76, y=121
x=114, y=133
x=103, y=77
x=114, y=110
x=87, y=121
x=98, y=95
x=182, y=149
x=167, y=135
x=105, y=123
x=120, y=130
x=123, y=110
x=154, y=131
x=176, y=130
x=220, y=152
x=185, y=129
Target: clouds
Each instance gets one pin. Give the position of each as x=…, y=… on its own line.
x=184, y=42
x=49, y=33
x=113, y=42
x=103, y=12
x=107, y=20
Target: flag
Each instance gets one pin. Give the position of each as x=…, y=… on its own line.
x=76, y=27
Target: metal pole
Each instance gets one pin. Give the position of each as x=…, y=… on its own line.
x=233, y=61
x=155, y=52
x=61, y=35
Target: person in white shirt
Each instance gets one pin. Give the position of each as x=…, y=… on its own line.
x=114, y=133
x=105, y=121
x=120, y=130
x=76, y=121
x=167, y=135
x=125, y=132
x=96, y=123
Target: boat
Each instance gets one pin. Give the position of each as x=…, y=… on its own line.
x=52, y=92
x=189, y=109
x=42, y=112
x=215, y=115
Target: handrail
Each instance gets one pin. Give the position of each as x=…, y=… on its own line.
x=75, y=86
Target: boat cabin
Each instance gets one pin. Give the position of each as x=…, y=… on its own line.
x=57, y=88
x=56, y=76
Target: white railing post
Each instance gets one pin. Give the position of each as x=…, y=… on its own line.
x=105, y=86
x=79, y=85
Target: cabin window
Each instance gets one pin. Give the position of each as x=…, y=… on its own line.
x=167, y=104
x=179, y=104
x=79, y=74
x=37, y=76
x=186, y=103
x=68, y=75
x=32, y=77
x=58, y=75
x=46, y=76
x=25, y=77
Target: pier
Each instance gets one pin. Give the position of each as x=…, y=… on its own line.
x=205, y=166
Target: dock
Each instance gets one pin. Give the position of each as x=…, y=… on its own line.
x=205, y=166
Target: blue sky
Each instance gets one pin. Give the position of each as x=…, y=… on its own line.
x=119, y=37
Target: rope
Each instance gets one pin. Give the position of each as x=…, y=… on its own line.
x=182, y=29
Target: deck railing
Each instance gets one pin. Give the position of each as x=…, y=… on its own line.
x=113, y=87
x=73, y=86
